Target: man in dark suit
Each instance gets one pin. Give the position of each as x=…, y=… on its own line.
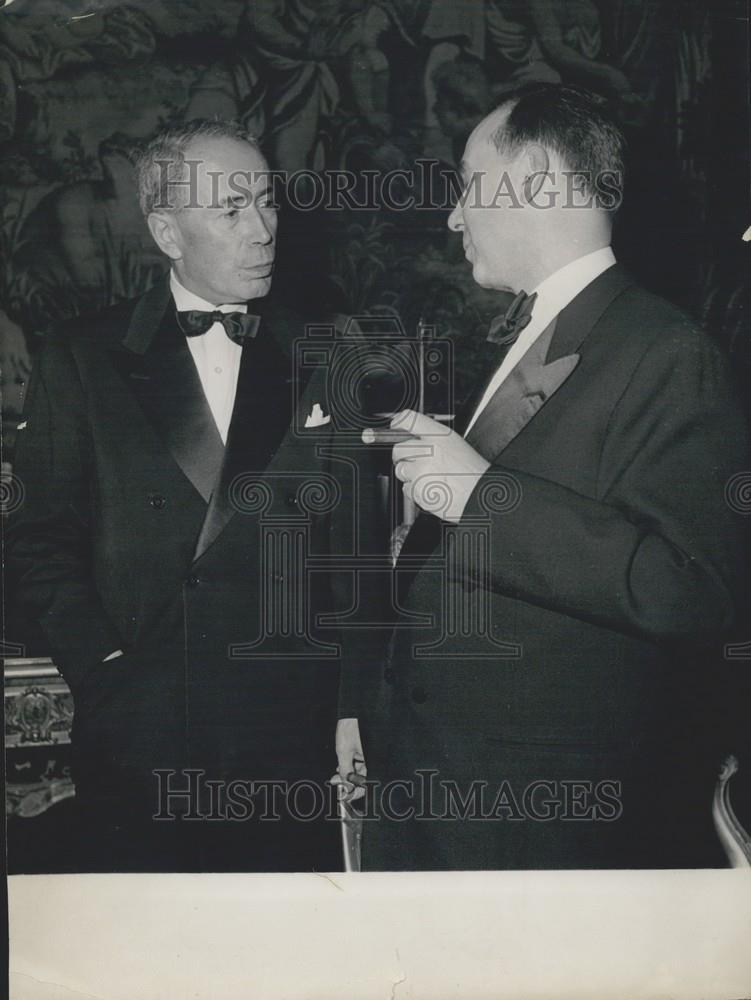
x=577, y=562
x=168, y=456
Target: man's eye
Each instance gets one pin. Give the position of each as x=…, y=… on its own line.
x=230, y=213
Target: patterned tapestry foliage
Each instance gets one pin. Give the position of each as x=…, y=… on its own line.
x=362, y=86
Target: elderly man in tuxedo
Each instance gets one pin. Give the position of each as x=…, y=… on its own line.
x=575, y=563
x=169, y=443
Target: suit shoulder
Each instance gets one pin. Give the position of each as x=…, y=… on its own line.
x=103, y=328
x=654, y=325
x=661, y=352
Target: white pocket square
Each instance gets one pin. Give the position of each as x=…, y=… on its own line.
x=317, y=417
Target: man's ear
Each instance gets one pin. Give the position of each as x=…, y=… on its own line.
x=163, y=227
x=536, y=165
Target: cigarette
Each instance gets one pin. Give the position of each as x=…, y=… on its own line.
x=376, y=435
x=443, y=418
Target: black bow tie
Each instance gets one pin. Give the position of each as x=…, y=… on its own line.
x=237, y=325
x=505, y=328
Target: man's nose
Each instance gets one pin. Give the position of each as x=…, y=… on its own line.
x=258, y=227
x=456, y=220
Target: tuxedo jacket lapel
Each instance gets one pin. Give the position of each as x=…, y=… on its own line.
x=579, y=318
x=157, y=365
x=261, y=417
x=544, y=367
x=519, y=397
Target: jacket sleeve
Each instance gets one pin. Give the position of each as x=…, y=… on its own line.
x=659, y=551
x=48, y=539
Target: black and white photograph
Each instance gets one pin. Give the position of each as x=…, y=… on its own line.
x=376, y=490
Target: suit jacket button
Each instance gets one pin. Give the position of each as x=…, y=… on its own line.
x=157, y=501
x=419, y=695
x=193, y=581
x=389, y=675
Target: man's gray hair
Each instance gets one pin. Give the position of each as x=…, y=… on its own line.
x=160, y=167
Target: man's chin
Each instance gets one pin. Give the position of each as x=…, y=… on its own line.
x=480, y=276
x=256, y=288
x=484, y=279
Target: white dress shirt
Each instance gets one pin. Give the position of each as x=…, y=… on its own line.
x=216, y=357
x=553, y=295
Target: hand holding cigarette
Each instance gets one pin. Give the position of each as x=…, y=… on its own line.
x=396, y=435
x=439, y=476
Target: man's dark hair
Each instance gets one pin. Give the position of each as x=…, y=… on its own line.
x=573, y=123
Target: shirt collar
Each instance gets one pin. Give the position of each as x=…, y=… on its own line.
x=186, y=300
x=562, y=287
